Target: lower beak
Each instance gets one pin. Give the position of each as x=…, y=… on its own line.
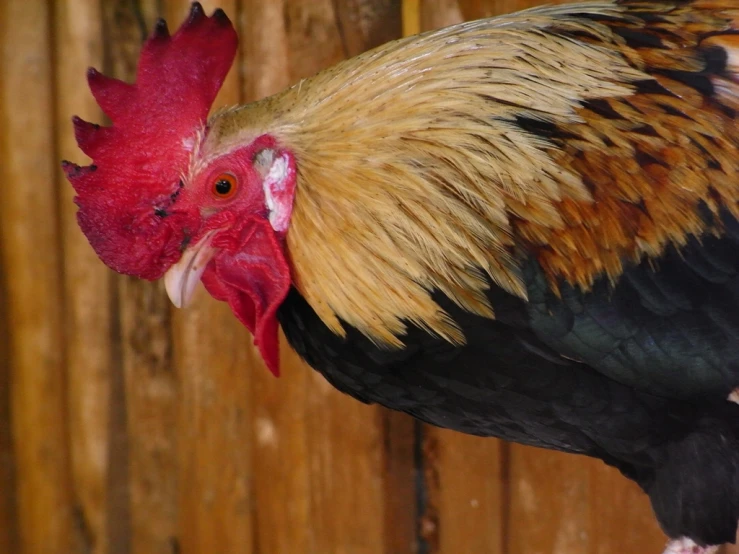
x=182, y=278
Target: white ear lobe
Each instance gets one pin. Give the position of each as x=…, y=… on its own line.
x=279, y=191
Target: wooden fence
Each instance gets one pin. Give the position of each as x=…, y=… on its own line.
x=129, y=427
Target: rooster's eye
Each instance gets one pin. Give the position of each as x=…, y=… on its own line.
x=225, y=185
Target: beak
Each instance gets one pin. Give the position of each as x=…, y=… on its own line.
x=182, y=278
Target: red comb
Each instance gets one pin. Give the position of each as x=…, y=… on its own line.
x=126, y=197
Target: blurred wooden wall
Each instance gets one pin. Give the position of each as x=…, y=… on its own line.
x=128, y=427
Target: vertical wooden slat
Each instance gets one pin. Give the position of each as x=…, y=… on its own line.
x=215, y=500
x=439, y=13
x=282, y=485
x=401, y=480
x=345, y=459
x=617, y=505
x=488, y=8
x=8, y=512
x=549, y=503
x=30, y=250
x=151, y=392
x=151, y=382
x=411, y=17
x=87, y=282
x=363, y=24
x=561, y=504
x=476, y=9
x=435, y=14
x=466, y=493
x=118, y=512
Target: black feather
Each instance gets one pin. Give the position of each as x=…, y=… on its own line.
x=636, y=374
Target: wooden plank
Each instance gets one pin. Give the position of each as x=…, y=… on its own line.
x=466, y=492
x=561, y=504
x=215, y=503
x=214, y=417
x=549, y=503
x=8, y=512
x=319, y=456
x=435, y=14
x=30, y=250
x=150, y=379
x=87, y=282
x=401, y=522
x=411, y=17
x=363, y=24
x=475, y=9
x=345, y=459
x=151, y=394
x=439, y=13
x=621, y=517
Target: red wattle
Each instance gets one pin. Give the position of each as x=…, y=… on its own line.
x=251, y=274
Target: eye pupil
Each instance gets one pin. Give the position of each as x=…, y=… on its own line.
x=223, y=187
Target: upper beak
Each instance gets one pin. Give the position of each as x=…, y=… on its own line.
x=182, y=278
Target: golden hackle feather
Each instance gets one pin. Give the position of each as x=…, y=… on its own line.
x=415, y=173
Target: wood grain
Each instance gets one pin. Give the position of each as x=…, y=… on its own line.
x=548, y=502
x=151, y=396
x=87, y=283
x=31, y=252
x=475, y=9
x=434, y=14
x=619, y=513
x=466, y=492
x=8, y=513
x=564, y=504
x=400, y=469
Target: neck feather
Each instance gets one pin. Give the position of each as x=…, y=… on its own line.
x=412, y=164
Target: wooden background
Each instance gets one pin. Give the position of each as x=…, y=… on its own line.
x=128, y=427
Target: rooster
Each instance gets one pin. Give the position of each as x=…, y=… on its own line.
x=523, y=227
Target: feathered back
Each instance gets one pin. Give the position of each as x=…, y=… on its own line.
x=435, y=162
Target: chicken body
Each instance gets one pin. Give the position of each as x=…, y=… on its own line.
x=523, y=227
x=622, y=341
